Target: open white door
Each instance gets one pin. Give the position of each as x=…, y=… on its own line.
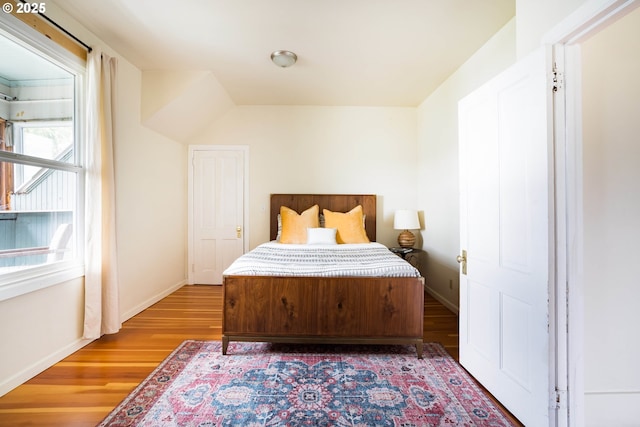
x=217, y=212
x=505, y=232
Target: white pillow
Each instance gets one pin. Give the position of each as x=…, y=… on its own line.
x=321, y=236
x=279, y=233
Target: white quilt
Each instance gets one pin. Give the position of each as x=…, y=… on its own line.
x=353, y=260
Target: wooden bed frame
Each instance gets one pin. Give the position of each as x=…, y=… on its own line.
x=331, y=310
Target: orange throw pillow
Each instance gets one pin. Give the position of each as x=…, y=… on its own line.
x=350, y=225
x=294, y=226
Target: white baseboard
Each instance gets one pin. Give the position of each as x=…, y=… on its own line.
x=31, y=371
x=442, y=300
x=149, y=302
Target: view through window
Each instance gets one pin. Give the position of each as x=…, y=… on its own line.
x=40, y=171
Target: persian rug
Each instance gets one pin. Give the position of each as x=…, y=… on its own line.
x=263, y=384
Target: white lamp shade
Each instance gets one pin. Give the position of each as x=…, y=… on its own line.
x=406, y=219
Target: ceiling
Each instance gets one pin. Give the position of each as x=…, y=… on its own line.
x=350, y=52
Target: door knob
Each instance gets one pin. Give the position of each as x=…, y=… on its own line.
x=462, y=260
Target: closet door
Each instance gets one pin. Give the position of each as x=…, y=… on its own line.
x=217, y=213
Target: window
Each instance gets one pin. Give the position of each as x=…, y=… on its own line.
x=51, y=140
x=41, y=173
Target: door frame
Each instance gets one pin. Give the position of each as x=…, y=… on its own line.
x=190, y=199
x=567, y=290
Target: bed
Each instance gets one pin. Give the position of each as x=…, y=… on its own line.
x=340, y=307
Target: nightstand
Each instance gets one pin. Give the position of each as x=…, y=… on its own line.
x=412, y=255
x=401, y=252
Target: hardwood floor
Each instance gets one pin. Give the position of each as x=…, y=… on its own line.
x=83, y=388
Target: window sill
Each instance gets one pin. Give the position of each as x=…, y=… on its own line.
x=21, y=282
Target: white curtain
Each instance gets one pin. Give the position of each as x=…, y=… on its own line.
x=101, y=315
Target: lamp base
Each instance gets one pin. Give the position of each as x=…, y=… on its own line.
x=406, y=239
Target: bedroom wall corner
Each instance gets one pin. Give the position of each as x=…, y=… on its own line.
x=324, y=149
x=151, y=202
x=438, y=194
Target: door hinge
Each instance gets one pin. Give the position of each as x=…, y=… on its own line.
x=557, y=79
x=559, y=399
x=193, y=268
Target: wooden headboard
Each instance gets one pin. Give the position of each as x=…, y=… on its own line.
x=333, y=202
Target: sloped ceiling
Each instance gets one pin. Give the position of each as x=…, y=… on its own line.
x=351, y=52
x=184, y=109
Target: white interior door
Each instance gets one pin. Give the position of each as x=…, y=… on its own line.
x=217, y=217
x=504, y=166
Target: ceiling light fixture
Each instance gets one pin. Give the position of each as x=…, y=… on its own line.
x=284, y=58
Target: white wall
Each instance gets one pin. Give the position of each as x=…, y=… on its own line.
x=40, y=328
x=438, y=189
x=611, y=108
x=360, y=150
x=534, y=18
x=151, y=182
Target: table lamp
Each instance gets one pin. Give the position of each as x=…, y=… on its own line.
x=406, y=219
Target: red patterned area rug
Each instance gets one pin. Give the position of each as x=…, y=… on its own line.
x=262, y=384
